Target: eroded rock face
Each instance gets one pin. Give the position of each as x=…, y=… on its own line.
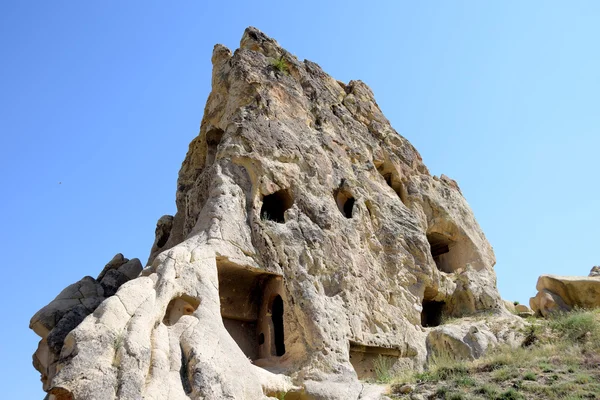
x=53, y=322
x=563, y=293
x=309, y=240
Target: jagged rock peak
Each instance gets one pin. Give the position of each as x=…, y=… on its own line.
x=309, y=241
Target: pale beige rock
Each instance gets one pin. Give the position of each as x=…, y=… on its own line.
x=523, y=311
x=53, y=322
x=595, y=271
x=510, y=306
x=471, y=338
x=563, y=293
x=309, y=241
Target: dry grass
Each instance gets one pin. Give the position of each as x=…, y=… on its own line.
x=561, y=361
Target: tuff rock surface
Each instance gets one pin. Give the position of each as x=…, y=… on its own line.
x=309, y=241
x=563, y=293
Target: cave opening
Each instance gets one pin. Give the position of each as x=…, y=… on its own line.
x=163, y=239
x=393, y=181
x=252, y=309
x=345, y=202
x=441, y=251
x=213, y=138
x=275, y=205
x=178, y=307
x=277, y=320
x=432, y=314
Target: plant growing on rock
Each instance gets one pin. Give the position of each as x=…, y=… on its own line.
x=281, y=65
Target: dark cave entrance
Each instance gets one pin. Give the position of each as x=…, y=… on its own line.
x=277, y=319
x=391, y=176
x=345, y=202
x=213, y=138
x=396, y=185
x=432, y=314
x=441, y=251
x=252, y=309
x=274, y=206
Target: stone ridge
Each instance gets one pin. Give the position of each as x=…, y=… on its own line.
x=310, y=242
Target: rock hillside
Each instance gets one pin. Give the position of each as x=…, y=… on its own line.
x=310, y=243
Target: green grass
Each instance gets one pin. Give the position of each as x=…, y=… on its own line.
x=383, y=368
x=510, y=394
x=281, y=65
x=576, y=326
x=560, y=362
x=530, y=376
x=465, y=381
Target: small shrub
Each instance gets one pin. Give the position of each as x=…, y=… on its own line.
x=465, y=381
x=576, y=325
x=441, y=392
x=531, y=336
x=504, y=374
x=281, y=65
x=530, y=376
x=545, y=367
x=516, y=302
x=383, y=368
x=583, y=379
x=510, y=394
x=487, y=390
x=424, y=377
x=281, y=395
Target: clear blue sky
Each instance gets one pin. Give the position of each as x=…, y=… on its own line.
x=105, y=97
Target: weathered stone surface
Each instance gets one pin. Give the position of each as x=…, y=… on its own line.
x=510, y=306
x=54, y=322
x=563, y=293
x=595, y=271
x=469, y=339
x=523, y=311
x=309, y=240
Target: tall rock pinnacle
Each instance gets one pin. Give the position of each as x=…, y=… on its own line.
x=309, y=241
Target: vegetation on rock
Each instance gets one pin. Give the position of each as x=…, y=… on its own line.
x=562, y=362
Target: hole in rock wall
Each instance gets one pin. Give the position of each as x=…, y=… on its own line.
x=366, y=360
x=213, y=138
x=441, y=251
x=392, y=179
x=275, y=205
x=255, y=323
x=178, y=307
x=277, y=320
x=432, y=313
x=345, y=202
x=163, y=240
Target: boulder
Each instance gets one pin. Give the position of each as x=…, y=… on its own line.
x=510, y=306
x=563, y=293
x=523, y=311
x=469, y=338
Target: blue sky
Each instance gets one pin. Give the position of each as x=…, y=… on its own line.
x=104, y=98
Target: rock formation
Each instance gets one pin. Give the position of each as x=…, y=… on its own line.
x=563, y=293
x=309, y=242
x=53, y=322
